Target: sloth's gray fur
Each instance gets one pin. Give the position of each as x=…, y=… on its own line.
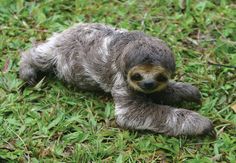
x=98, y=57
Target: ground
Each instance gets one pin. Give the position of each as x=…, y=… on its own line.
x=54, y=122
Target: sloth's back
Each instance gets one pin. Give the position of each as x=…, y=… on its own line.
x=82, y=55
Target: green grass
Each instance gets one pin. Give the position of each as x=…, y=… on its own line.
x=53, y=122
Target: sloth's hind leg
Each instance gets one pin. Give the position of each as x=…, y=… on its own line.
x=37, y=59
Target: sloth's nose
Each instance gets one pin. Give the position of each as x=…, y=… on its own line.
x=149, y=84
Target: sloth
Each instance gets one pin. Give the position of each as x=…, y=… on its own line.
x=133, y=67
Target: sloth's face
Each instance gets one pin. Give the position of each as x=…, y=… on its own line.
x=148, y=78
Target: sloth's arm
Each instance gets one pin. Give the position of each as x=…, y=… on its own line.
x=177, y=92
x=133, y=111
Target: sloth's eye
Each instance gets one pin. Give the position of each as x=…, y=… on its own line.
x=136, y=77
x=161, y=78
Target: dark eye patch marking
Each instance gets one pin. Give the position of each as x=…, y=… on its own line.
x=161, y=78
x=136, y=77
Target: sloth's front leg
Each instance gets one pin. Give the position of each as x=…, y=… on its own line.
x=135, y=112
x=175, y=93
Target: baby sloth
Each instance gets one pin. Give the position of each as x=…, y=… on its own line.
x=133, y=67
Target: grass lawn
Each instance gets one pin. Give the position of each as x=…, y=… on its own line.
x=54, y=122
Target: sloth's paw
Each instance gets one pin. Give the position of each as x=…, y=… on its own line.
x=195, y=95
x=195, y=124
x=191, y=123
x=28, y=74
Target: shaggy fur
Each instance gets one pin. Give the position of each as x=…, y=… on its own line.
x=99, y=57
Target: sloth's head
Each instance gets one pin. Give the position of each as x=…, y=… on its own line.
x=146, y=62
x=148, y=78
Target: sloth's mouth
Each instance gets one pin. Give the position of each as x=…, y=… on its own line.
x=151, y=88
x=148, y=86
